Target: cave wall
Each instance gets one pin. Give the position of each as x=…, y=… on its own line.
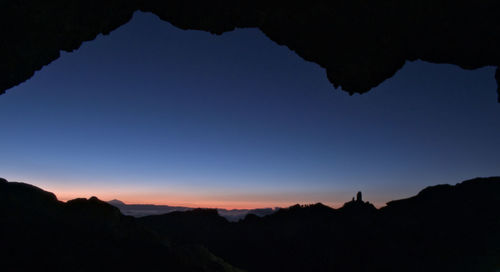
x=360, y=43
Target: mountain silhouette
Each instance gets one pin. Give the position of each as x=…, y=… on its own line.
x=139, y=210
x=443, y=228
x=40, y=233
x=116, y=202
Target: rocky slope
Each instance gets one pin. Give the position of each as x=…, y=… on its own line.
x=40, y=233
x=443, y=228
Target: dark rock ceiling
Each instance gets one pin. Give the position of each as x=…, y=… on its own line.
x=360, y=43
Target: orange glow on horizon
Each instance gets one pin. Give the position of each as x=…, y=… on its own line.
x=187, y=201
x=192, y=198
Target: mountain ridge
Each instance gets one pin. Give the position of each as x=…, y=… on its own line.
x=442, y=228
x=140, y=210
x=40, y=233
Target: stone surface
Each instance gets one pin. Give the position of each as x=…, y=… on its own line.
x=360, y=43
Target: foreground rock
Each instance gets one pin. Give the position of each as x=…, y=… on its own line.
x=443, y=228
x=40, y=233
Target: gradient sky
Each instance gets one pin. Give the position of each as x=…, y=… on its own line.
x=154, y=114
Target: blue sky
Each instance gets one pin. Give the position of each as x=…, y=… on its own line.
x=151, y=113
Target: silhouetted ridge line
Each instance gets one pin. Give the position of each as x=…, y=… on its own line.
x=469, y=192
x=139, y=210
x=442, y=228
x=116, y=202
x=40, y=233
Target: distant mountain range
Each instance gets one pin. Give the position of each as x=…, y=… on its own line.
x=443, y=228
x=140, y=210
